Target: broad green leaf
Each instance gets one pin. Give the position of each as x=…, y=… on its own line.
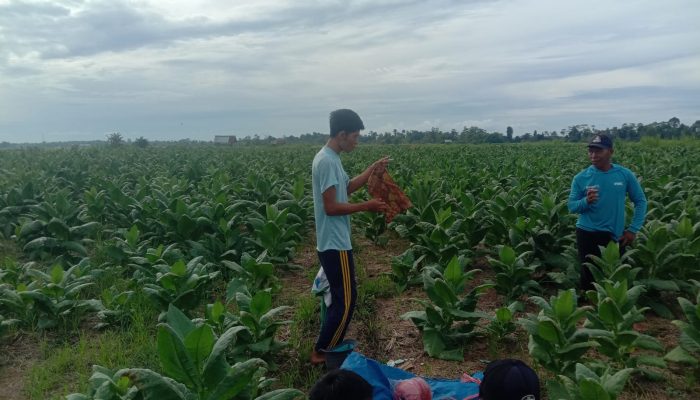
x=679, y=355
x=507, y=255
x=452, y=355
x=77, y=396
x=132, y=236
x=179, y=268
x=653, y=361
x=199, y=344
x=85, y=230
x=56, y=274
x=43, y=243
x=217, y=310
x=30, y=228
x=282, y=394
x=75, y=247
x=174, y=357
x=539, y=349
x=179, y=322
x=564, y=304
x=237, y=378
x=690, y=339
x=616, y=383
x=153, y=386
x=504, y=315
x=58, y=228
x=592, y=390
x=440, y=293
x=583, y=372
x=434, y=317
x=235, y=287
x=548, y=331
x=609, y=312
x=261, y=303
x=453, y=272
x=432, y=342
x=216, y=366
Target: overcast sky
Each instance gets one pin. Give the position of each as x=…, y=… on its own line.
x=168, y=70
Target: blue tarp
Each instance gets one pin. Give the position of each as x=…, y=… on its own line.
x=381, y=376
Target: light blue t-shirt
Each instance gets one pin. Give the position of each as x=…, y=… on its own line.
x=332, y=232
x=608, y=212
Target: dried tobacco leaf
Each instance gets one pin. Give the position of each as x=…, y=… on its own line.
x=382, y=186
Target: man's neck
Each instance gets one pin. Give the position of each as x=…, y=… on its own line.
x=604, y=168
x=333, y=145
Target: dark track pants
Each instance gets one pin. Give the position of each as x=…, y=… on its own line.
x=587, y=243
x=340, y=271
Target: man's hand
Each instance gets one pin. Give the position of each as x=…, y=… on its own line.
x=380, y=165
x=361, y=180
x=627, y=238
x=591, y=195
x=376, y=205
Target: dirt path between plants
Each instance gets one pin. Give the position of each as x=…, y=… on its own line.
x=16, y=359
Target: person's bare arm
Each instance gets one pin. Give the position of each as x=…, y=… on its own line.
x=361, y=180
x=332, y=207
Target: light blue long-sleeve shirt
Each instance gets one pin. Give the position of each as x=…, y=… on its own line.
x=608, y=212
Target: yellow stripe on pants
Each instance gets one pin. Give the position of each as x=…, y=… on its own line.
x=347, y=298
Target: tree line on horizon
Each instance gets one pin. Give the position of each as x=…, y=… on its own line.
x=671, y=129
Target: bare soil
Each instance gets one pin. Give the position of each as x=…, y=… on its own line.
x=17, y=356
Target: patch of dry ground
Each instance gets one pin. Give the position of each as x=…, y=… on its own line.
x=16, y=359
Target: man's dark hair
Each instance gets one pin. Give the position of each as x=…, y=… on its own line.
x=341, y=384
x=345, y=120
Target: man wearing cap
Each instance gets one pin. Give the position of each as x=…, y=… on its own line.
x=509, y=379
x=598, y=195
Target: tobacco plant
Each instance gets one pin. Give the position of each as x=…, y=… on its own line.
x=587, y=384
x=449, y=318
x=406, y=270
x=514, y=273
x=194, y=365
x=611, y=324
x=688, y=350
x=182, y=285
x=555, y=340
x=53, y=298
x=258, y=322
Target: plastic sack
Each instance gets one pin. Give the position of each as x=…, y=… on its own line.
x=412, y=389
x=321, y=287
x=380, y=377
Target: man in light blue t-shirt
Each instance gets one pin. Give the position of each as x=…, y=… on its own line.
x=331, y=188
x=598, y=195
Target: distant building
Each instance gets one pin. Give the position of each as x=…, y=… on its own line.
x=448, y=140
x=224, y=139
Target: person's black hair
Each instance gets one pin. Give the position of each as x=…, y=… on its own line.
x=345, y=120
x=341, y=384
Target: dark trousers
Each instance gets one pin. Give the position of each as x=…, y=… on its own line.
x=588, y=244
x=340, y=271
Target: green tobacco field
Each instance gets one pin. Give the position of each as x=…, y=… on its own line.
x=184, y=272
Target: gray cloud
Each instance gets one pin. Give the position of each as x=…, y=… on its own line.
x=168, y=70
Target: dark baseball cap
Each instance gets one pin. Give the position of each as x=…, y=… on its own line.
x=601, y=141
x=509, y=379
